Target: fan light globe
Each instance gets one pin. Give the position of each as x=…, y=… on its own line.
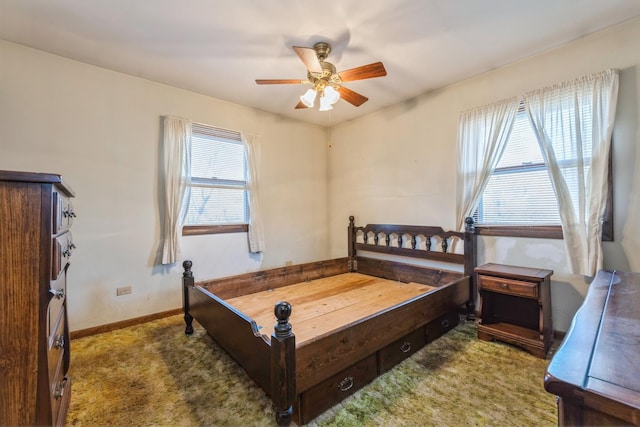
x=325, y=104
x=308, y=98
x=331, y=94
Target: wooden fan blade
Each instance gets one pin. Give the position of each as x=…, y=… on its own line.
x=280, y=81
x=300, y=105
x=309, y=58
x=363, y=72
x=352, y=97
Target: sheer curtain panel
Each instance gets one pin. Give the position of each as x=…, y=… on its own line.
x=177, y=176
x=482, y=136
x=255, y=234
x=573, y=122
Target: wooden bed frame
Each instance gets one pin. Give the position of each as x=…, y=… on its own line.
x=306, y=378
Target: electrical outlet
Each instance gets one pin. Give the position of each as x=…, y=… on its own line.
x=125, y=290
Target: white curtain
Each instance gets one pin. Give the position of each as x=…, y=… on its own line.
x=573, y=122
x=256, y=233
x=177, y=177
x=482, y=136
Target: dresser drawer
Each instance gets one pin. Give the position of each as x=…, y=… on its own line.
x=508, y=286
x=57, y=290
x=56, y=345
x=397, y=351
x=62, y=249
x=60, y=394
x=63, y=213
x=334, y=389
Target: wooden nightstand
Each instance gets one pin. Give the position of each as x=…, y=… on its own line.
x=515, y=306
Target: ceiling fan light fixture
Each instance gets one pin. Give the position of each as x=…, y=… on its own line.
x=308, y=98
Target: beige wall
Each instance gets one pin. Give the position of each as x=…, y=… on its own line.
x=399, y=165
x=101, y=130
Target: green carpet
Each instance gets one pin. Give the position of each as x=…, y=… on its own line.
x=154, y=375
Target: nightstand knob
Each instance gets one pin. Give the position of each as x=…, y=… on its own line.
x=505, y=286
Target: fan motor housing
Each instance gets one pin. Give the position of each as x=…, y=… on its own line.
x=322, y=49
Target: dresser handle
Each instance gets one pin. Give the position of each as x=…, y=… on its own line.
x=505, y=286
x=346, y=384
x=59, y=391
x=58, y=293
x=59, y=342
x=67, y=252
x=405, y=347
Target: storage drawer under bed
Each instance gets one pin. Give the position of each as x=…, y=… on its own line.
x=336, y=388
x=441, y=325
x=397, y=351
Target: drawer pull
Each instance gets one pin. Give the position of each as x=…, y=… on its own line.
x=445, y=323
x=58, y=293
x=505, y=286
x=405, y=347
x=67, y=252
x=346, y=384
x=59, y=342
x=59, y=391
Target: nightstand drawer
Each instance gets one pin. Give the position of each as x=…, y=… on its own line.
x=508, y=286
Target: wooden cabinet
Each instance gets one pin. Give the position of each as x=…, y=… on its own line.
x=596, y=371
x=36, y=244
x=515, y=306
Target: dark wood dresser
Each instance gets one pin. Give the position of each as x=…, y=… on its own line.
x=35, y=246
x=596, y=371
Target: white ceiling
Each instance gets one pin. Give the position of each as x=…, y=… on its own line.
x=219, y=48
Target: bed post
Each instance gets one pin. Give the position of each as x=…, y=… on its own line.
x=470, y=265
x=187, y=282
x=351, y=244
x=283, y=365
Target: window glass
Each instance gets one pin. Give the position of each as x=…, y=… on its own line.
x=218, y=178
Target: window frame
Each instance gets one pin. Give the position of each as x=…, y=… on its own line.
x=203, y=229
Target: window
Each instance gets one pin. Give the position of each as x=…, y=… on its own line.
x=519, y=199
x=219, y=200
x=519, y=192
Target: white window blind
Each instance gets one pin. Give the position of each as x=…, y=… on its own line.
x=218, y=177
x=520, y=192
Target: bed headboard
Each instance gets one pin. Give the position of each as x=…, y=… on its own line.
x=415, y=241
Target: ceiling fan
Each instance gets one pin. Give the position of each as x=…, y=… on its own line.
x=326, y=80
